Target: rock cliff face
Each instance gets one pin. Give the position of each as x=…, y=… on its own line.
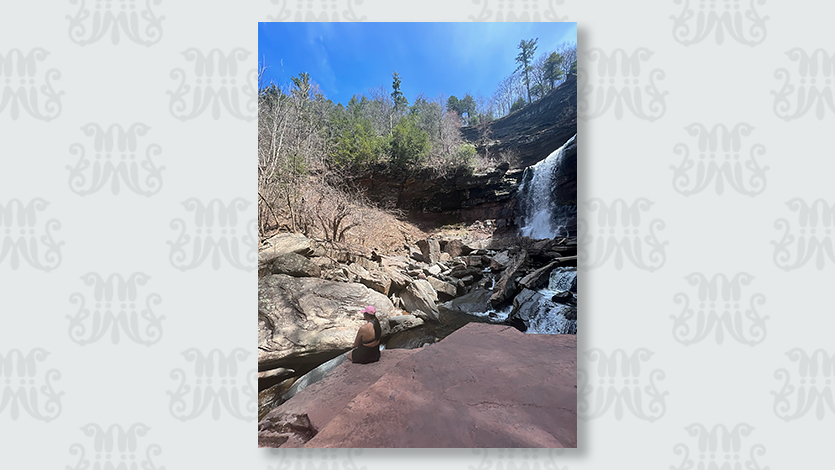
x=522, y=138
x=482, y=386
x=532, y=132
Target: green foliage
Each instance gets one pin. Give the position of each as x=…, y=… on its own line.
x=409, y=144
x=518, y=104
x=526, y=52
x=358, y=145
x=452, y=104
x=553, y=68
x=400, y=101
x=465, y=156
x=464, y=107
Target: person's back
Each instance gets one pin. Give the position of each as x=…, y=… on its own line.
x=367, y=342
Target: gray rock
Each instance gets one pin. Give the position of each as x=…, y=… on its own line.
x=563, y=297
x=374, y=279
x=445, y=290
x=506, y=287
x=397, y=262
x=304, y=318
x=285, y=243
x=500, y=261
x=433, y=270
x=400, y=323
x=419, y=299
x=430, y=249
x=525, y=306
x=279, y=372
x=476, y=301
x=456, y=248
x=397, y=278
x=294, y=264
x=474, y=261
x=538, y=278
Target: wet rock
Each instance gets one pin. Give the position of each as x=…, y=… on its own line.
x=314, y=376
x=562, y=297
x=538, y=278
x=526, y=306
x=477, y=301
x=462, y=271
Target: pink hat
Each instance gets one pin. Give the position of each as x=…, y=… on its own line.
x=369, y=310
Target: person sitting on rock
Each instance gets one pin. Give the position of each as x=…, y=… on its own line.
x=367, y=343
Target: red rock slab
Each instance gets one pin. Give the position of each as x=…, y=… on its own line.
x=482, y=386
x=323, y=400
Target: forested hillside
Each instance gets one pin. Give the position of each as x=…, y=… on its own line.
x=311, y=149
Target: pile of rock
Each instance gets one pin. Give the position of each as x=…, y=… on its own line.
x=310, y=293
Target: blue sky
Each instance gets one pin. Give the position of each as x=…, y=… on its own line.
x=449, y=58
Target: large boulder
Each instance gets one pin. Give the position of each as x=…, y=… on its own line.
x=419, y=299
x=400, y=323
x=285, y=243
x=430, y=249
x=526, y=306
x=477, y=301
x=304, y=321
x=294, y=264
x=445, y=290
x=373, y=279
x=398, y=280
x=456, y=248
x=506, y=286
x=499, y=261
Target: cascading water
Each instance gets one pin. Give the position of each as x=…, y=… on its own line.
x=556, y=317
x=538, y=209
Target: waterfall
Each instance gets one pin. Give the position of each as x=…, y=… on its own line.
x=538, y=211
x=551, y=316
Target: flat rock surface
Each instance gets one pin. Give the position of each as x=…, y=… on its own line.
x=323, y=400
x=482, y=386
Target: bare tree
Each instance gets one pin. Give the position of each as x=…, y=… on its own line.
x=568, y=51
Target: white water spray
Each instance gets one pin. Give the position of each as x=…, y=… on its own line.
x=539, y=209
